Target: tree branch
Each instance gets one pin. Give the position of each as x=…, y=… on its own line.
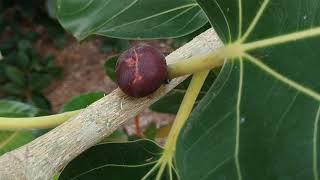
x=48, y=154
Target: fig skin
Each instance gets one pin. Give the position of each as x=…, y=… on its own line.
x=141, y=70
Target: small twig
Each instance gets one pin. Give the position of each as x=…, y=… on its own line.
x=138, y=127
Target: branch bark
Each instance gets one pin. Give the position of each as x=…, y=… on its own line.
x=48, y=154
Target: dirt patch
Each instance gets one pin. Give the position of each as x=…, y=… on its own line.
x=83, y=71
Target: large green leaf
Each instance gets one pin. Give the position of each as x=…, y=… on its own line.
x=260, y=118
x=130, y=19
x=114, y=161
x=10, y=140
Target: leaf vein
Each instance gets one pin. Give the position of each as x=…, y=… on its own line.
x=236, y=151
x=225, y=18
x=208, y=130
x=281, y=39
x=306, y=91
x=216, y=167
x=255, y=20
x=315, y=140
x=284, y=114
x=240, y=19
x=174, y=17
x=114, y=16
x=86, y=6
x=197, y=14
x=149, y=17
x=112, y=165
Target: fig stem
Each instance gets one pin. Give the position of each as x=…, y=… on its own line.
x=41, y=122
x=193, y=65
x=204, y=62
x=186, y=106
x=182, y=116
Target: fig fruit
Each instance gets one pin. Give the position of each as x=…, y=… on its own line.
x=141, y=70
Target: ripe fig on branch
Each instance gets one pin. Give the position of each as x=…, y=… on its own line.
x=141, y=70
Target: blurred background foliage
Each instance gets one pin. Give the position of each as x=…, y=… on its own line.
x=24, y=73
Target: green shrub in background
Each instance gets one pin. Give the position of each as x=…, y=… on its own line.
x=24, y=74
